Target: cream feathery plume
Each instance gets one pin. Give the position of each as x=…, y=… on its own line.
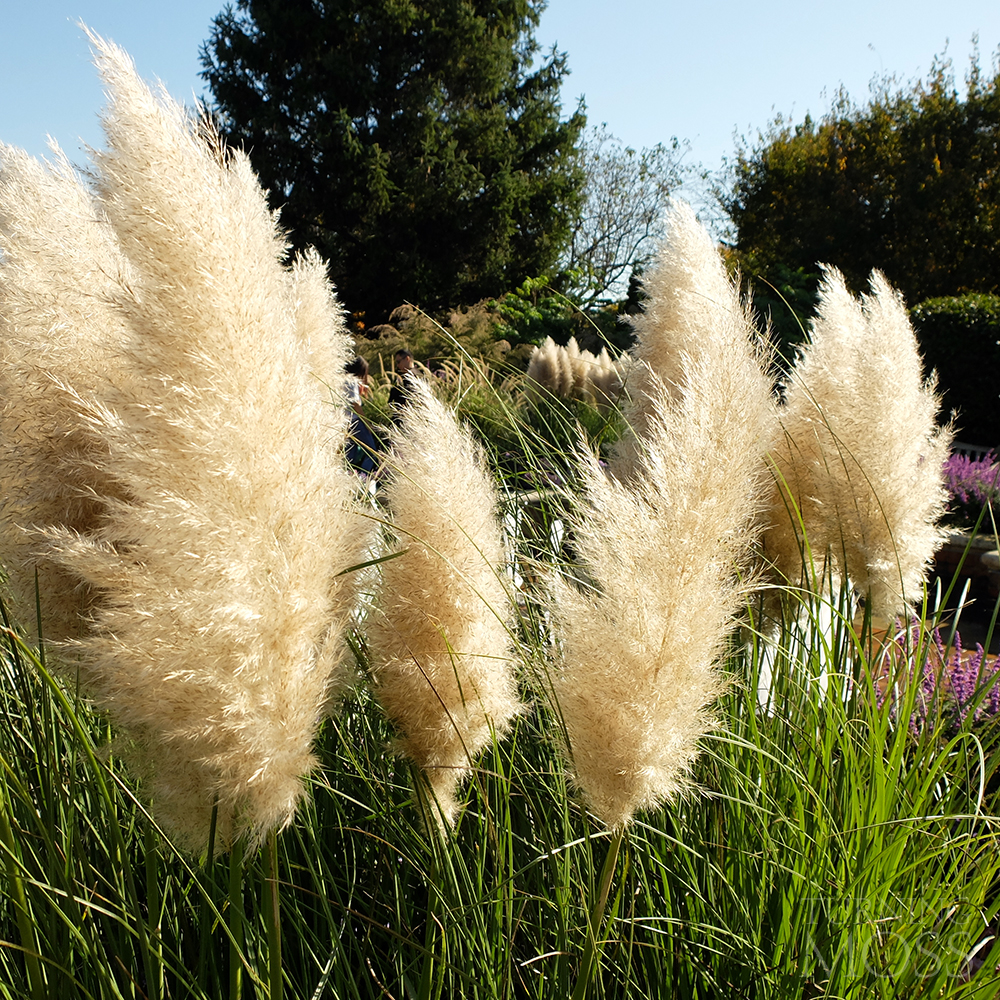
x=576, y=370
x=565, y=369
x=665, y=554
x=317, y=312
x=586, y=368
x=690, y=311
x=319, y=321
x=441, y=657
x=859, y=464
x=216, y=638
x=571, y=373
x=60, y=269
x=605, y=381
x=543, y=371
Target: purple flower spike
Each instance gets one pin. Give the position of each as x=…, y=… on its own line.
x=950, y=682
x=973, y=483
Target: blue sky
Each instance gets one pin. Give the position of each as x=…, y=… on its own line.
x=649, y=68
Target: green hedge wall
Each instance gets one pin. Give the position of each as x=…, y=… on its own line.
x=960, y=338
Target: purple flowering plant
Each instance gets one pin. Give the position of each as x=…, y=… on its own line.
x=974, y=485
x=955, y=688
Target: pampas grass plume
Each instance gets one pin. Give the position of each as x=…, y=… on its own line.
x=859, y=461
x=690, y=312
x=441, y=657
x=60, y=337
x=215, y=640
x=605, y=380
x=572, y=373
x=550, y=371
x=662, y=555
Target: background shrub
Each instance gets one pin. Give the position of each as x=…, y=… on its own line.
x=960, y=339
x=475, y=331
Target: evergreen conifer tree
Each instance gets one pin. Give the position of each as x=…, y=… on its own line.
x=414, y=142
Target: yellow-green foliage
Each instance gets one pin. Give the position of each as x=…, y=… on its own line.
x=471, y=331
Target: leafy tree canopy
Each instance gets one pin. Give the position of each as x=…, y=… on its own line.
x=414, y=142
x=908, y=183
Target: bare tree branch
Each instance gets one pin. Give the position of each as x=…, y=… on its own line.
x=622, y=216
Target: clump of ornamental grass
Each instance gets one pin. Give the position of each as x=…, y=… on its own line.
x=549, y=370
x=440, y=646
x=213, y=462
x=662, y=555
x=857, y=464
x=572, y=373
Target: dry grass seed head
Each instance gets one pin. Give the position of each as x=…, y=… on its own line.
x=440, y=646
x=215, y=642
x=666, y=550
x=859, y=460
x=692, y=313
x=60, y=339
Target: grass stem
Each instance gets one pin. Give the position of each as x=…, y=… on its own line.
x=18, y=897
x=153, y=903
x=272, y=915
x=591, y=951
x=236, y=921
x=207, y=919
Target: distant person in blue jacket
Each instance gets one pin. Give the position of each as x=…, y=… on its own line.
x=362, y=448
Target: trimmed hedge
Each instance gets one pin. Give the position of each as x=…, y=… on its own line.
x=960, y=338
